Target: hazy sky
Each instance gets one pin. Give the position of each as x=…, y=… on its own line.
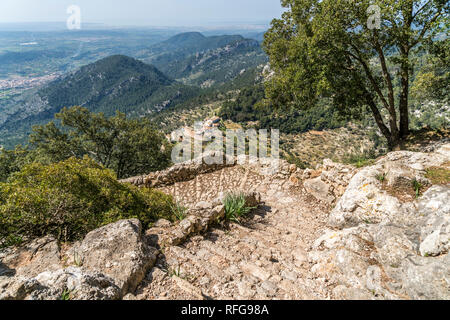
x=143, y=12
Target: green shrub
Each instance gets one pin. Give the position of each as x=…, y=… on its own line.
x=12, y=160
x=236, y=207
x=71, y=198
x=297, y=161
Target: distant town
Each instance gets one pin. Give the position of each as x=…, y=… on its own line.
x=18, y=82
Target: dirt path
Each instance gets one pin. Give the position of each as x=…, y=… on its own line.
x=263, y=258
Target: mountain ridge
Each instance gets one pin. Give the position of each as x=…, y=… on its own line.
x=114, y=83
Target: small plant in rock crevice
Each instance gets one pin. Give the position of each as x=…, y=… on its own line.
x=175, y=272
x=77, y=259
x=381, y=177
x=236, y=207
x=66, y=295
x=417, y=187
x=179, y=211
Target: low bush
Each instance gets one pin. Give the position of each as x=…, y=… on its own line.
x=70, y=199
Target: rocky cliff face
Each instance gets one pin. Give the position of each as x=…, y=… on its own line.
x=383, y=243
x=336, y=232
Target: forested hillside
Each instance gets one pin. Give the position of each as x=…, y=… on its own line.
x=206, y=61
x=116, y=83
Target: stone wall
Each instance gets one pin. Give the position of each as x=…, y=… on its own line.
x=181, y=172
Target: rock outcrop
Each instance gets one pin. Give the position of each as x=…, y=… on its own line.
x=366, y=200
x=71, y=283
x=198, y=221
x=112, y=261
x=32, y=259
x=328, y=182
x=386, y=247
x=117, y=250
x=183, y=171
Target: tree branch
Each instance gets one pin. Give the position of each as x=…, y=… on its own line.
x=377, y=115
x=387, y=76
x=424, y=30
x=418, y=11
x=370, y=77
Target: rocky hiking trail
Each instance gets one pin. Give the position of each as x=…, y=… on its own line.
x=335, y=232
x=262, y=258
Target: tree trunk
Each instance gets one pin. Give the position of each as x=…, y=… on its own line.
x=393, y=138
x=404, y=112
x=394, y=141
x=404, y=95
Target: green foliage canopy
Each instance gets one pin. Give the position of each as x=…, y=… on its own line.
x=127, y=146
x=328, y=48
x=433, y=80
x=248, y=106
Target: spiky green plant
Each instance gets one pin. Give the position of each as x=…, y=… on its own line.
x=236, y=207
x=179, y=211
x=417, y=187
x=65, y=296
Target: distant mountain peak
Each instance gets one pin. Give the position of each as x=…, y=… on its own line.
x=113, y=83
x=118, y=64
x=187, y=36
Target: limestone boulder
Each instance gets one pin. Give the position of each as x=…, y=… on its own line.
x=384, y=248
x=434, y=206
x=72, y=284
x=366, y=200
x=401, y=176
x=119, y=251
x=107, y=264
x=319, y=189
x=426, y=278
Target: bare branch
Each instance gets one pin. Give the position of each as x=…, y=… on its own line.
x=371, y=78
x=425, y=29
x=418, y=11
